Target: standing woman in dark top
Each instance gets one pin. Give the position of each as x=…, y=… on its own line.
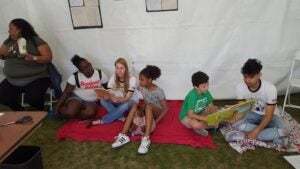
x=25, y=73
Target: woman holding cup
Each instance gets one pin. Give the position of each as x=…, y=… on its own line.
x=25, y=57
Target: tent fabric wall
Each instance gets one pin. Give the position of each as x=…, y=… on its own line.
x=215, y=36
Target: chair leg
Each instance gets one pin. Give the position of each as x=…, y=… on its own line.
x=51, y=100
x=286, y=97
x=22, y=99
x=47, y=103
x=23, y=103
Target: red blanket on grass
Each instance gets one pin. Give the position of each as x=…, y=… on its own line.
x=168, y=130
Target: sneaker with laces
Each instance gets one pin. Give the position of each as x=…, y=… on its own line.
x=121, y=139
x=145, y=144
x=234, y=136
x=201, y=132
x=282, y=141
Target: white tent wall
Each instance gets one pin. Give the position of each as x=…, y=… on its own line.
x=215, y=36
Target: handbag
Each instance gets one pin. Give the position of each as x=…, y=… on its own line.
x=55, y=78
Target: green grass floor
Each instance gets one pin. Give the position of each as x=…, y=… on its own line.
x=93, y=155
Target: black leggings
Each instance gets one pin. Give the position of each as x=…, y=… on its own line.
x=34, y=94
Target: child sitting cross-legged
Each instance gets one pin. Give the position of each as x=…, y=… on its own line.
x=197, y=105
x=154, y=108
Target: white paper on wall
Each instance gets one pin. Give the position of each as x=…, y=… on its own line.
x=153, y=5
x=76, y=3
x=91, y=2
x=214, y=36
x=161, y=5
x=86, y=16
x=169, y=4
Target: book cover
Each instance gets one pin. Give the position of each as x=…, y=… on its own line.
x=102, y=93
x=227, y=113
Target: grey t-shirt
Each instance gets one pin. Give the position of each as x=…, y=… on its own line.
x=153, y=97
x=17, y=70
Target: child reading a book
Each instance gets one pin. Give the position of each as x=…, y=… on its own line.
x=261, y=123
x=124, y=94
x=155, y=108
x=79, y=99
x=197, y=104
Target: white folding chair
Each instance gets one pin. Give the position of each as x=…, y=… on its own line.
x=293, y=83
x=49, y=102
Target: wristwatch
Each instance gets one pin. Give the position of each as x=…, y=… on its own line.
x=34, y=58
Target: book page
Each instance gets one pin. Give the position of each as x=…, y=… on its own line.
x=117, y=93
x=226, y=114
x=102, y=93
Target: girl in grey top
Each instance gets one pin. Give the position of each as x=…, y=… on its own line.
x=155, y=108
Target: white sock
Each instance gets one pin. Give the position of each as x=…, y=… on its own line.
x=97, y=122
x=282, y=132
x=242, y=127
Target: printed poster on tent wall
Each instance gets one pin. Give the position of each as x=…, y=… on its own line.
x=161, y=5
x=85, y=14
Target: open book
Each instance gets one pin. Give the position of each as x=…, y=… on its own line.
x=103, y=93
x=227, y=113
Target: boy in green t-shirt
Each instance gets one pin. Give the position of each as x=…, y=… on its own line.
x=197, y=104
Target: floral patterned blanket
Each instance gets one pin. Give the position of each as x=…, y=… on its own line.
x=249, y=144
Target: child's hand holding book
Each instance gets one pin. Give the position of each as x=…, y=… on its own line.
x=102, y=93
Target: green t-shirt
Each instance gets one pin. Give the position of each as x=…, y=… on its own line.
x=196, y=102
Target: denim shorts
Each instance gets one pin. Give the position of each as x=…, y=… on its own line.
x=75, y=97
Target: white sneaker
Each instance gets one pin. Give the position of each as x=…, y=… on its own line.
x=201, y=132
x=121, y=139
x=145, y=144
x=235, y=136
x=283, y=141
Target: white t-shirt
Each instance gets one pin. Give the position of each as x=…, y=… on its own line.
x=87, y=85
x=266, y=94
x=132, y=87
